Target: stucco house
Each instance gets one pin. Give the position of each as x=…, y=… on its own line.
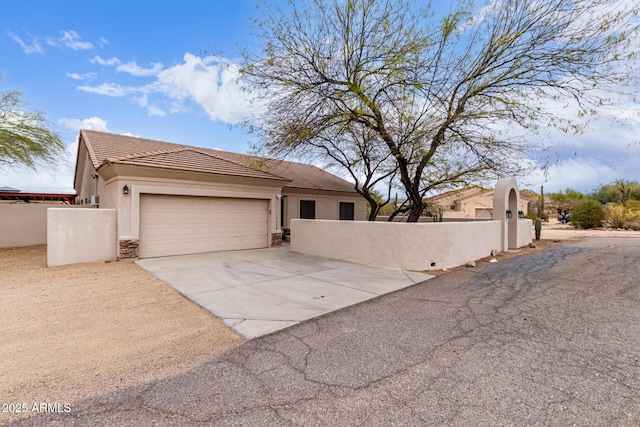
x=471, y=202
x=174, y=199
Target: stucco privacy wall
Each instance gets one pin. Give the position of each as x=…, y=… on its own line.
x=410, y=246
x=80, y=235
x=525, y=232
x=25, y=224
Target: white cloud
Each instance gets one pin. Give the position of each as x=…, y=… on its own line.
x=587, y=173
x=47, y=178
x=156, y=111
x=210, y=82
x=92, y=123
x=108, y=89
x=34, y=47
x=72, y=40
x=142, y=101
x=103, y=42
x=135, y=70
x=51, y=41
x=98, y=60
x=85, y=76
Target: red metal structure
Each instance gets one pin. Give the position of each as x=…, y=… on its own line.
x=68, y=199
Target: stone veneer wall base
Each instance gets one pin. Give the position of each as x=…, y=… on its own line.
x=129, y=248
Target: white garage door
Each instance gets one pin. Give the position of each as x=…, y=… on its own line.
x=179, y=225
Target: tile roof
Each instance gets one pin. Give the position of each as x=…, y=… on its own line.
x=189, y=159
x=461, y=193
x=468, y=193
x=112, y=148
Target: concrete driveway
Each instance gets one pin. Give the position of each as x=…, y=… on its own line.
x=260, y=291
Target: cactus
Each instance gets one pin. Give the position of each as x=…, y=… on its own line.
x=538, y=228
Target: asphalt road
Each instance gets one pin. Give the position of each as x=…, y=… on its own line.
x=549, y=338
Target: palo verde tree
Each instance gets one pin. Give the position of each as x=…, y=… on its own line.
x=25, y=135
x=436, y=95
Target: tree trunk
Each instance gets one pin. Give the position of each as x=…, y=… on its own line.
x=415, y=213
x=375, y=209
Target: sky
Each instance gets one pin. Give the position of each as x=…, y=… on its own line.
x=167, y=71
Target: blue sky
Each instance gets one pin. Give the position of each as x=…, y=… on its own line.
x=160, y=70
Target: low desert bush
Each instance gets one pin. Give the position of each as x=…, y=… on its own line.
x=615, y=216
x=588, y=214
x=618, y=216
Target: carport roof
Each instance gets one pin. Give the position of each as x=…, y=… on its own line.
x=105, y=148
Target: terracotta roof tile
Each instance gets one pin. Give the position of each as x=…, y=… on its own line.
x=459, y=193
x=104, y=146
x=188, y=159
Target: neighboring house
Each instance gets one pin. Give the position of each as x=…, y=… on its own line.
x=174, y=199
x=471, y=202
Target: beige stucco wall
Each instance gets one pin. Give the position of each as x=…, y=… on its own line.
x=411, y=246
x=525, y=230
x=25, y=224
x=80, y=235
x=327, y=204
x=89, y=186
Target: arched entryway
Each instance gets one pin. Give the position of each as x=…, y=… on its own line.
x=506, y=202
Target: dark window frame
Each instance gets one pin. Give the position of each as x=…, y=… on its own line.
x=308, y=211
x=349, y=214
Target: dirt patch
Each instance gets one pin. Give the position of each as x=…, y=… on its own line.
x=72, y=332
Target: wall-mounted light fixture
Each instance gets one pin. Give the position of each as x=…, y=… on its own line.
x=125, y=189
x=520, y=214
x=509, y=213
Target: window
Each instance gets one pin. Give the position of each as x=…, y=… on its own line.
x=307, y=209
x=347, y=210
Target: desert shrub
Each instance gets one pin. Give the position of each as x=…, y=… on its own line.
x=618, y=216
x=615, y=216
x=633, y=205
x=588, y=214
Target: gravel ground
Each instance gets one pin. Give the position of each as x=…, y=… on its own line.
x=69, y=333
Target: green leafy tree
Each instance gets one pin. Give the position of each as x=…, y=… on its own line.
x=619, y=191
x=588, y=214
x=566, y=200
x=25, y=135
x=434, y=91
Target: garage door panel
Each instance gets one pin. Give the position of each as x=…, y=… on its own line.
x=177, y=225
